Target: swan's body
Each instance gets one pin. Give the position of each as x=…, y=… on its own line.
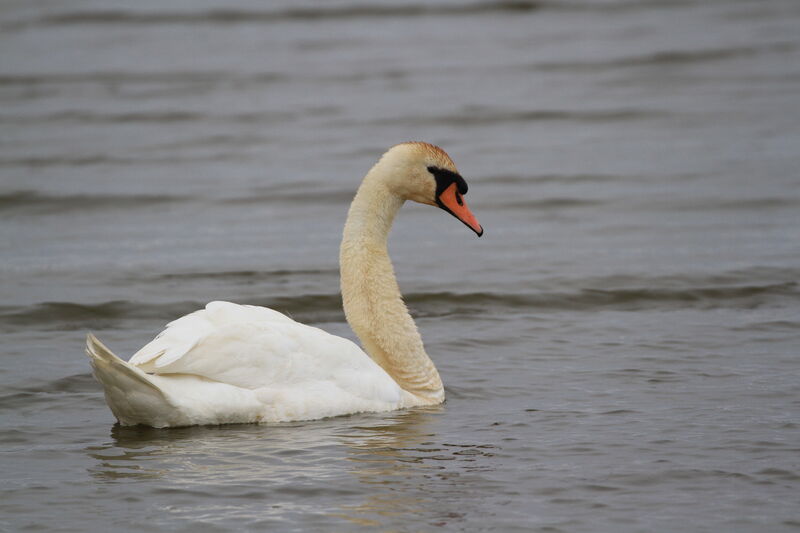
x=232, y=363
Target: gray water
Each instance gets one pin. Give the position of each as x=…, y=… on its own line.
x=620, y=350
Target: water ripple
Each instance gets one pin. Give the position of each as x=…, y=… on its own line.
x=328, y=307
x=345, y=12
x=128, y=77
x=32, y=202
x=243, y=16
x=156, y=117
x=667, y=58
x=479, y=116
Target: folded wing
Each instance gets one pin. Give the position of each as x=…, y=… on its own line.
x=259, y=348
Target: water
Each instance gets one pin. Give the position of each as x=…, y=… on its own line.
x=620, y=350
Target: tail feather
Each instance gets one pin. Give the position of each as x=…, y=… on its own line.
x=104, y=357
x=130, y=393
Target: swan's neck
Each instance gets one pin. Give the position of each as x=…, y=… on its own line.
x=372, y=301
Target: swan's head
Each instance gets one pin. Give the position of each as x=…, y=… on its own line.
x=425, y=173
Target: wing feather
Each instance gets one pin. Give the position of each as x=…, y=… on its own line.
x=259, y=348
x=179, y=337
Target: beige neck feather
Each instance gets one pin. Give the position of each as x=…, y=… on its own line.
x=372, y=301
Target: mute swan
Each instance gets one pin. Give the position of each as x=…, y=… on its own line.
x=232, y=363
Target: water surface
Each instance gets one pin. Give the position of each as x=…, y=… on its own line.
x=620, y=350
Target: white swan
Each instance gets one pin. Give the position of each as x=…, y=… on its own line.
x=232, y=363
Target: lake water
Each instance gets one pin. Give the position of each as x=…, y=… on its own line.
x=621, y=350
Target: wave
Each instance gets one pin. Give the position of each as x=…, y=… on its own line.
x=734, y=278
x=32, y=202
x=313, y=195
x=166, y=117
x=77, y=316
x=544, y=204
x=666, y=58
x=73, y=316
x=342, y=12
x=771, y=326
x=328, y=307
x=764, y=203
x=244, y=275
x=307, y=14
x=628, y=299
x=108, y=160
x=678, y=205
x=42, y=392
x=173, y=76
x=517, y=179
x=486, y=117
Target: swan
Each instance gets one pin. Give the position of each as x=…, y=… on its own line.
x=230, y=363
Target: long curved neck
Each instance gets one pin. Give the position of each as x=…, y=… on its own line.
x=372, y=301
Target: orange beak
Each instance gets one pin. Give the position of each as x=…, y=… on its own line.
x=451, y=201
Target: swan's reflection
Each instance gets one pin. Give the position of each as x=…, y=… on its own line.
x=368, y=469
x=388, y=459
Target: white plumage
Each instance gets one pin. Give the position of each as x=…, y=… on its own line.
x=241, y=363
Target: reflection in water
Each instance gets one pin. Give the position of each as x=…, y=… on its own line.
x=401, y=462
x=326, y=467
x=383, y=459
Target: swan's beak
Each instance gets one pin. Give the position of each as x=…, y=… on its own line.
x=451, y=201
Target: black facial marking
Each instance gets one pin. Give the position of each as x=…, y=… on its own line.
x=445, y=178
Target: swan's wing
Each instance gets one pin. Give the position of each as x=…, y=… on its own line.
x=183, y=334
x=259, y=348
